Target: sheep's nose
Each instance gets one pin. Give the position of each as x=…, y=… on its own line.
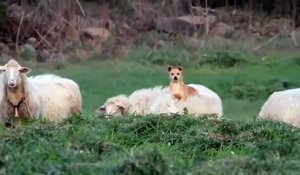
x=11, y=83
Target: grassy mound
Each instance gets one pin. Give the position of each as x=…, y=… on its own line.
x=150, y=145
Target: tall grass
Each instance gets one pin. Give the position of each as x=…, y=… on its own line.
x=150, y=145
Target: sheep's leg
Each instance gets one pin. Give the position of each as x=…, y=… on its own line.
x=28, y=110
x=16, y=112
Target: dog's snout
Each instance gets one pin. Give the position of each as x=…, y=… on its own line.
x=175, y=78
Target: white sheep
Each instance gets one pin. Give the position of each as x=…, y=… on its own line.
x=61, y=97
x=17, y=97
x=208, y=102
x=144, y=98
x=164, y=104
x=283, y=106
x=158, y=100
x=138, y=102
x=47, y=96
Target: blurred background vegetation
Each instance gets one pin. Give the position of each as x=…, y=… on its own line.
x=78, y=30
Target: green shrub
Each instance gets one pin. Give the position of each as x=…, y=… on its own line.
x=223, y=59
x=254, y=90
x=171, y=55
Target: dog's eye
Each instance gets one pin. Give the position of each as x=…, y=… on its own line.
x=172, y=74
x=177, y=73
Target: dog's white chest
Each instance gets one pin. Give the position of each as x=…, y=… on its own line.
x=176, y=88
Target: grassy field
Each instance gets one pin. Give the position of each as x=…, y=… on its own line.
x=89, y=144
x=243, y=88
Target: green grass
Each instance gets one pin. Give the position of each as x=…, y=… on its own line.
x=90, y=144
x=243, y=88
x=150, y=145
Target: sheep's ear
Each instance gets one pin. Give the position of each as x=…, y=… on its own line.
x=169, y=68
x=25, y=70
x=180, y=68
x=121, y=108
x=2, y=68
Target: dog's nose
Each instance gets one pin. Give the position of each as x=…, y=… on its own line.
x=175, y=78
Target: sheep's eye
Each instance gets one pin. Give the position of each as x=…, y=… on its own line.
x=102, y=108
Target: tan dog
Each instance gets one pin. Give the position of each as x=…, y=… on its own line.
x=177, y=87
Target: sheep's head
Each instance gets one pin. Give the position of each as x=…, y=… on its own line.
x=12, y=73
x=115, y=106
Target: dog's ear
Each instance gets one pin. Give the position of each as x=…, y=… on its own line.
x=180, y=68
x=169, y=68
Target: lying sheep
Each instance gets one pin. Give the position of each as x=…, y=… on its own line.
x=144, y=98
x=283, y=106
x=208, y=102
x=47, y=96
x=164, y=104
x=158, y=100
x=138, y=102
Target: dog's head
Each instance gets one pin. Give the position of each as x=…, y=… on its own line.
x=175, y=73
x=115, y=106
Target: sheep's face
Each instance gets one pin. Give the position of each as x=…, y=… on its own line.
x=12, y=73
x=175, y=74
x=112, y=109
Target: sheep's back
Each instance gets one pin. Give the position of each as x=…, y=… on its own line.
x=61, y=97
x=282, y=106
x=144, y=98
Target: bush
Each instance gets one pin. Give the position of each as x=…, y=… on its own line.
x=254, y=90
x=223, y=59
x=172, y=55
